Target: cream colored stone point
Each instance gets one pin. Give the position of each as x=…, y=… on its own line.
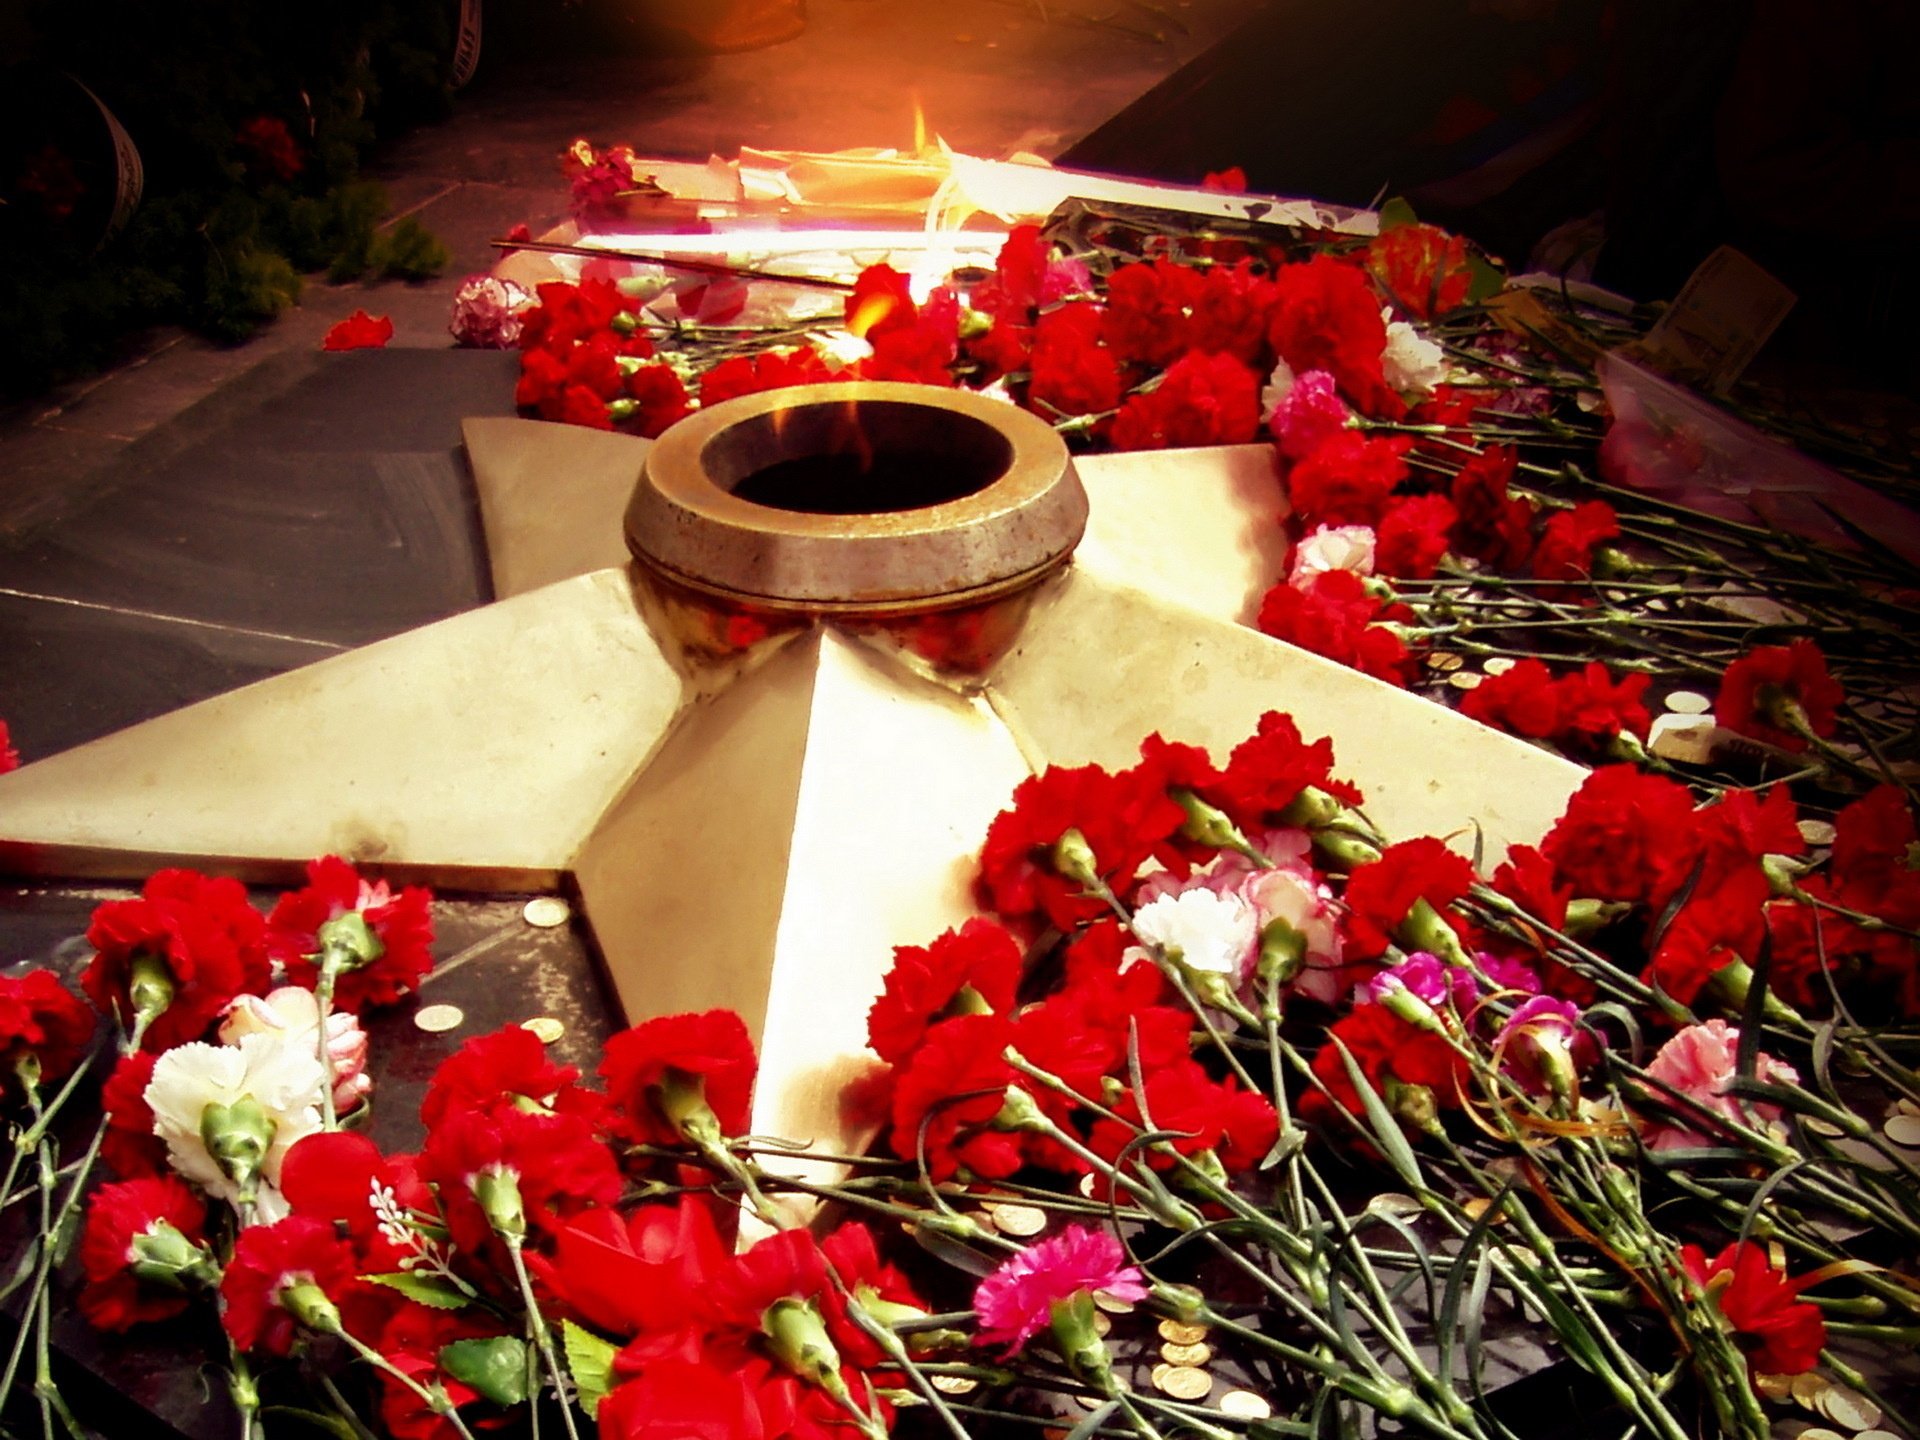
x=758, y=835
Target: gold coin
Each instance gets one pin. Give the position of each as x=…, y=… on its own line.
x=1774, y=1387
x=435, y=1018
x=1158, y=1375
x=545, y=1028
x=1847, y=1406
x=1904, y=1130
x=1441, y=660
x=1019, y=1221
x=1819, y=1432
x=546, y=912
x=1175, y=1333
x=1183, y=1382
x=1196, y=1354
x=955, y=1384
x=1245, y=1405
x=1806, y=1387
x=1465, y=680
x=1112, y=1304
x=1876, y=1435
x=1904, y=1106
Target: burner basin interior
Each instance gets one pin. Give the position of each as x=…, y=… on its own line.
x=857, y=457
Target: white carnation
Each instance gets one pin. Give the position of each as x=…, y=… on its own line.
x=1332, y=547
x=1412, y=364
x=283, y=1080
x=1212, y=932
x=1274, y=393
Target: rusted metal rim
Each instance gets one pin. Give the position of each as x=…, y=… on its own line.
x=990, y=500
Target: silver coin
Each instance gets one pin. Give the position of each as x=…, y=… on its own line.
x=1020, y=1221
x=1847, y=1406
x=1499, y=664
x=1465, y=679
x=546, y=912
x=1817, y=832
x=1245, y=1405
x=437, y=1018
x=1904, y=1130
x=545, y=1027
x=1689, y=702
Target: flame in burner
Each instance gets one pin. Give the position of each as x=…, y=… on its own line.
x=919, y=125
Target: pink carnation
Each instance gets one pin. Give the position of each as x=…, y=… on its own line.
x=1016, y=1301
x=1699, y=1063
x=1310, y=412
x=488, y=313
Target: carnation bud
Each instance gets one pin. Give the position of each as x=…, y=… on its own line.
x=498, y=1193
x=27, y=1066
x=1588, y=916
x=1283, y=953
x=1780, y=709
x=1425, y=929
x=1402, y=1003
x=163, y=1256
x=625, y=408
x=682, y=1099
x=1074, y=858
x=801, y=1343
x=644, y=287
x=1206, y=824
x=308, y=1304
x=890, y=1313
x=238, y=1137
x=1783, y=876
x=149, y=988
x=1414, y=1105
x=1019, y=1112
x=624, y=322
x=1344, y=851
x=973, y=324
x=1312, y=809
x=1076, y=1334
x=952, y=1225
x=1624, y=746
x=1608, y=562
x=1181, y=1302
x=1732, y=982
x=347, y=942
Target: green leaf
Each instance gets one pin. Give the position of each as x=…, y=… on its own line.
x=1395, y=213
x=495, y=1367
x=1384, y=1129
x=331, y=1424
x=590, y=1362
x=428, y=1290
x=1091, y=1425
x=1484, y=279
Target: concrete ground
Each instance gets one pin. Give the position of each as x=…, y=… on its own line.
x=990, y=76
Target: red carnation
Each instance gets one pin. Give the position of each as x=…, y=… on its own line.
x=1123, y=818
x=922, y=352
x=270, y=148
x=1268, y=770
x=1521, y=701
x=1348, y=479
x=129, y=1145
x=1720, y=923
x=334, y=1175
x=508, y=1067
x=1422, y=267
x=1413, y=536
x=42, y=1027
x=401, y=926
x=274, y=1270
x=1565, y=550
x=769, y=370
x=853, y=1256
x=1146, y=315
x=158, y=1223
x=1019, y=275
x=1326, y=317
x=661, y=396
x=9, y=757
x=711, y=1050
x=1381, y=894
x=1238, y=1125
x=882, y=301
x=1231, y=313
x=1201, y=400
x=651, y=1271
x=205, y=935
x=944, y=1097
x=1073, y=373
x=978, y=964
x=1780, y=1333
x=556, y=1166
x=568, y=314
x=1595, y=707
x=1625, y=836
x=679, y=1399
x=1387, y=1050
x=359, y=331
x=1780, y=693
x=1493, y=526
x=1338, y=618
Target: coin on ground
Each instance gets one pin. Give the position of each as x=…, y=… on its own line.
x=1176, y=1333
x=1689, y=702
x=1806, y=1387
x=1245, y=1405
x=435, y=1018
x=546, y=911
x=1774, y=1387
x=1904, y=1130
x=545, y=1028
x=1112, y=1304
x=1465, y=680
x=1847, y=1406
x=1819, y=1432
x=1018, y=1220
x=1102, y=1324
x=1187, y=1354
x=1499, y=664
x=955, y=1384
x=1183, y=1382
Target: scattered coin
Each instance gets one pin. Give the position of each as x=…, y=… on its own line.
x=545, y=1028
x=1689, y=702
x=1089, y=1402
x=435, y=1018
x=955, y=1384
x=1112, y=1304
x=1774, y=1387
x=1175, y=1332
x=1087, y=1184
x=1183, y=1382
x=1441, y=660
x=1905, y=1106
x=1020, y=1221
x=1657, y=605
x=1817, y=832
x=1876, y=1435
x=1499, y=664
x=1158, y=1375
x=546, y=911
x=1806, y=1387
x=1102, y=1324
x=1819, y=1432
x=1196, y=1354
x=1393, y=1202
x=1822, y=1127
x=1904, y=1129
x=1847, y=1406
x=1465, y=679
x=1245, y=1405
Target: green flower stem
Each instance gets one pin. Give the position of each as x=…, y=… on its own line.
x=44, y=1115
x=342, y=1408
x=1890, y=1412
x=53, y=1225
x=907, y=1213
x=244, y=1393
x=541, y=1336
x=435, y=1400
x=896, y=1351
